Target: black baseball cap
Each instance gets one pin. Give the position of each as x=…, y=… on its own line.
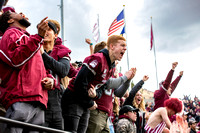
x=127, y=108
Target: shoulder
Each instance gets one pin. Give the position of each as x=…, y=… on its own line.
x=123, y=125
x=93, y=60
x=161, y=110
x=123, y=121
x=10, y=31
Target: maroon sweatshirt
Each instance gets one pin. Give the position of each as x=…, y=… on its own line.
x=161, y=95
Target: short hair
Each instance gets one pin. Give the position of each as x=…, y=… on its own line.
x=174, y=104
x=4, y=21
x=99, y=46
x=57, y=24
x=114, y=39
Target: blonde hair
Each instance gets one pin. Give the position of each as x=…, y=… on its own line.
x=65, y=81
x=113, y=39
x=141, y=106
x=116, y=106
x=57, y=24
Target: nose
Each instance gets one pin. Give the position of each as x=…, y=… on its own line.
x=125, y=48
x=22, y=14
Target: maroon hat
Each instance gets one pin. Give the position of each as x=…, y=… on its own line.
x=8, y=8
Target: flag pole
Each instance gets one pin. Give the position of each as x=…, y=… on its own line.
x=62, y=19
x=154, y=54
x=126, y=37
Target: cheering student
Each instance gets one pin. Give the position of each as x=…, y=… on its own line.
x=166, y=87
x=24, y=82
x=57, y=62
x=95, y=71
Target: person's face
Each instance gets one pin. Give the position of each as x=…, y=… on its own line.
x=19, y=18
x=193, y=126
x=132, y=115
x=138, y=98
x=50, y=35
x=184, y=117
x=118, y=49
x=16, y=16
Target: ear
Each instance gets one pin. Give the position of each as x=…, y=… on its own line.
x=10, y=21
x=111, y=46
x=56, y=35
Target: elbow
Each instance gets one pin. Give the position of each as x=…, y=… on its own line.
x=65, y=70
x=64, y=73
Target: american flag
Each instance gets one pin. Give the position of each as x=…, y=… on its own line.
x=117, y=23
x=96, y=30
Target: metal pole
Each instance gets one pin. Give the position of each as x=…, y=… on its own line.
x=126, y=37
x=154, y=54
x=30, y=126
x=62, y=20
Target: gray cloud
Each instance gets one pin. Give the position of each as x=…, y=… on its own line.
x=77, y=27
x=175, y=23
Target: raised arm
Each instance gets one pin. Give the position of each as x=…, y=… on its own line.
x=176, y=81
x=20, y=49
x=134, y=90
x=168, y=79
x=88, y=41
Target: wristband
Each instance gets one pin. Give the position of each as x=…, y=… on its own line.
x=91, y=43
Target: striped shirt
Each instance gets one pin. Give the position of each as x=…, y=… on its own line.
x=158, y=129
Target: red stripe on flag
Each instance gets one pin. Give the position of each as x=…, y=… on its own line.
x=115, y=26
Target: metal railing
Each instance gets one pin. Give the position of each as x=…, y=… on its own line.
x=30, y=126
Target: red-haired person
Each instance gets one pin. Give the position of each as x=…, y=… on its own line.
x=95, y=71
x=159, y=119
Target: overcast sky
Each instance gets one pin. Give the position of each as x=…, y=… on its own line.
x=176, y=28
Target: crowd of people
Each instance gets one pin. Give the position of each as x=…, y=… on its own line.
x=40, y=85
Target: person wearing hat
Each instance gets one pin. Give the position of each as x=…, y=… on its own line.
x=57, y=62
x=127, y=118
x=192, y=125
